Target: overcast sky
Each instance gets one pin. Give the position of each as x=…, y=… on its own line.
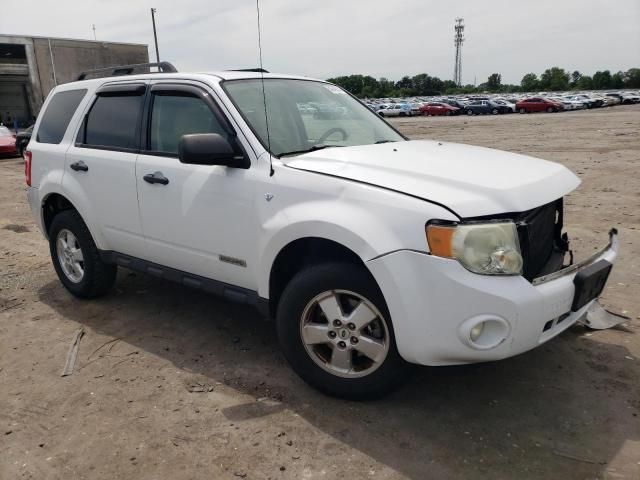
x=383, y=38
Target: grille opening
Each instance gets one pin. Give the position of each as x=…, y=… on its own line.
x=563, y=317
x=539, y=233
x=548, y=325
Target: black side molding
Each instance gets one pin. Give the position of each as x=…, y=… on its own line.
x=225, y=290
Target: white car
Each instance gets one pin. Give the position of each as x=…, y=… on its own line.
x=629, y=97
x=369, y=250
x=505, y=103
x=396, y=110
x=582, y=101
x=415, y=108
x=569, y=103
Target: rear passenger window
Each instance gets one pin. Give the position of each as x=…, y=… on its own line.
x=174, y=115
x=57, y=116
x=113, y=122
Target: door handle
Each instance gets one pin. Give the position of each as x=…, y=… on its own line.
x=79, y=166
x=156, y=177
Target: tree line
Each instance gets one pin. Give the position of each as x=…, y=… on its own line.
x=552, y=79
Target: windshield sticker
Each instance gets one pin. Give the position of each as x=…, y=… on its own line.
x=334, y=89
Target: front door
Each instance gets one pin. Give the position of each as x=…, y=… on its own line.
x=202, y=220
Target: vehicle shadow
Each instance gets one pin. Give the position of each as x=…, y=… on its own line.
x=561, y=411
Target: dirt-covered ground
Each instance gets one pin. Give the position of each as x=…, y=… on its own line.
x=171, y=383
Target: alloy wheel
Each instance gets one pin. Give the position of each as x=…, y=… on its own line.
x=344, y=333
x=70, y=255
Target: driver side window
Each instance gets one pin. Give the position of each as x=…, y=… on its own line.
x=174, y=115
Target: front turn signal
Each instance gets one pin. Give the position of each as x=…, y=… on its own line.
x=440, y=240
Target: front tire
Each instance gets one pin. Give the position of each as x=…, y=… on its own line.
x=76, y=258
x=469, y=112
x=335, y=330
x=522, y=110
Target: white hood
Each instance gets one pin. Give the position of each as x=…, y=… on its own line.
x=471, y=181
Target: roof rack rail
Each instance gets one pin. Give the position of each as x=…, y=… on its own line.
x=255, y=70
x=163, y=67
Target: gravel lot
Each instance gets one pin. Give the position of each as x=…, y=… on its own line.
x=172, y=383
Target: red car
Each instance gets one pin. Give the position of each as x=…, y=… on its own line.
x=438, y=109
x=7, y=142
x=538, y=104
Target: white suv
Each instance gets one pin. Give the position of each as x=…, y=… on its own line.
x=369, y=250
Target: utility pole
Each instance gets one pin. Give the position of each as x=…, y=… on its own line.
x=155, y=35
x=458, y=41
x=94, y=31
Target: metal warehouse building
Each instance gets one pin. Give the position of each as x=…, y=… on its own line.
x=31, y=66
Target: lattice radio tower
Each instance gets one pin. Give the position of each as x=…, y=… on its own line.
x=458, y=41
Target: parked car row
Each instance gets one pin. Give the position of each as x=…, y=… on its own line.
x=13, y=144
x=499, y=104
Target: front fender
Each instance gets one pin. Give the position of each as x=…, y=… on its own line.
x=368, y=220
x=277, y=238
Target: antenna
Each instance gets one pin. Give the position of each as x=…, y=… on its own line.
x=458, y=40
x=264, y=95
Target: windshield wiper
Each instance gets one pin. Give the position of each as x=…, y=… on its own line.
x=307, y=150
x=385, y=141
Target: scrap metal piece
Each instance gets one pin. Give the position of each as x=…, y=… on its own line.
x=73, y=353
x=598, y=318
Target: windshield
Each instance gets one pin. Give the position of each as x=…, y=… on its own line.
x=306, y=115
x=5, y=132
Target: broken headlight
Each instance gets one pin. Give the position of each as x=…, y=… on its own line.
x=486, y=248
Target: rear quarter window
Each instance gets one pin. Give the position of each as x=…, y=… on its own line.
x=57, y=115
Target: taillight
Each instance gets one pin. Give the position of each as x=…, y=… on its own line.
x=27, y=167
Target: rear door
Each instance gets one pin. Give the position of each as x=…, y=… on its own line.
x=203, y=220
x=537, y=105
x=100, y=166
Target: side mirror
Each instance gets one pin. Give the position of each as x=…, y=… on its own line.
x=210, y=149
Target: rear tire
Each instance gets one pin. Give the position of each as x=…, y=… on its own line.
x=331, y=360
x=76, y=258
x=469, y=112
x=522, y=110
x=495, y=111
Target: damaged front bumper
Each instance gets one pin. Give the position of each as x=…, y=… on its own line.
x=613, y=245
x=436, y=304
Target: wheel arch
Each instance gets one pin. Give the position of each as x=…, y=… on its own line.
x=52, y=204
x=55, y=202
x=301, y=253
